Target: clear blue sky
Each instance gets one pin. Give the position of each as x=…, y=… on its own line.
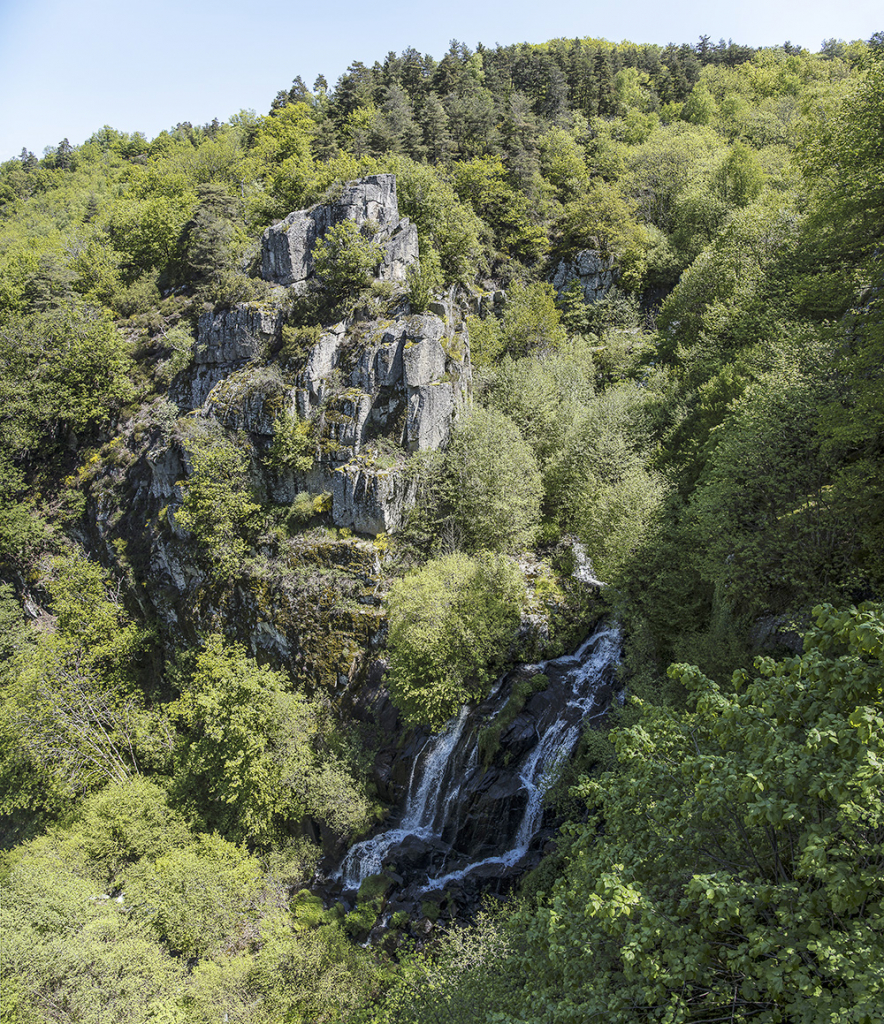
x=67, y=68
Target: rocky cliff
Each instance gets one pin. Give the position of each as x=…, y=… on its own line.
x=368, y=391
x=287, y=247
x=595, y=273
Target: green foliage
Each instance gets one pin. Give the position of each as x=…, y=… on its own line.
x=493, y=484
x=766, y=525
x=482, y=183
x=451, y=624
x=252, y=763
x=424, y=280
x=71, y=708
x=14, y=633
x=598, y=481
x=445, y=225
x=67, y=944
x=178, y=342
x=293, y=443
x=346, y=260
x=460, y=981
x=121, y=824
x=486, y=340
x=731, y=296
x=147, y=232
x=603, y=219
x=217, y=506
x=63, y=368
x=738, y=872
x=531, y=322
x=196, y=896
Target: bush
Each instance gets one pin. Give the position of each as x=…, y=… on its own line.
x=346, y=261
x=494, y=485
x=217, y=505
x=452, y=625
x=292, y=446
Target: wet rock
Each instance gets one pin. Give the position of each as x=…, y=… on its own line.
x=521, y=735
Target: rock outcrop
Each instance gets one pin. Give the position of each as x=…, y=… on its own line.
x=374, y=391
x=287, y=247
x=226, y=340
x=405, y=378
x=597, y=274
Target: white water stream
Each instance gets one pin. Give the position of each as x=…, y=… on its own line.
x=444, y=766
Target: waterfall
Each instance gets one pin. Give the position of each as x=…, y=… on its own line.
x=453, y=808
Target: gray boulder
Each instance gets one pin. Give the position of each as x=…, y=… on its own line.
x=431, y=411
x=226, y=340
x=235, y=335
x=597, y=274
x=369, y=500
x=287, y=247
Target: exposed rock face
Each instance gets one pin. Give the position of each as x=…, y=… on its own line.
x=597, y=275
x=249, y=399
x=287, y=247
x=374, y=392
x=367, y=499
x=235, y=335
x=226, y=340
x=414, y=371
x=402, y=382
x=405, y=380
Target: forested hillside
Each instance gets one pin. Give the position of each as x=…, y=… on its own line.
x=643, y=344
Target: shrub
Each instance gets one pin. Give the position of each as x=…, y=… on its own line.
x=452, y=624
x=292, y=446
x=346, y=261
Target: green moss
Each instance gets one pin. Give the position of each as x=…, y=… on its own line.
x=375, y=887
x=359, y=922
x=431, y=910
x=307, y=911
x=522, y=689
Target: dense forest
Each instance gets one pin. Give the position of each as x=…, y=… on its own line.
x=656, y=274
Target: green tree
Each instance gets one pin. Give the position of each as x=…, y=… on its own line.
x=494, y=485
x=197, y=896
x=217, y=500
x=531, y=323
x=452, y=624
x=483, y=183
x=738, y=875
x=72, y=706
x=253, y=762
x=72, y=952
x=345, y=260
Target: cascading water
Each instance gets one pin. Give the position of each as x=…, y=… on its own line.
x=460, y=817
